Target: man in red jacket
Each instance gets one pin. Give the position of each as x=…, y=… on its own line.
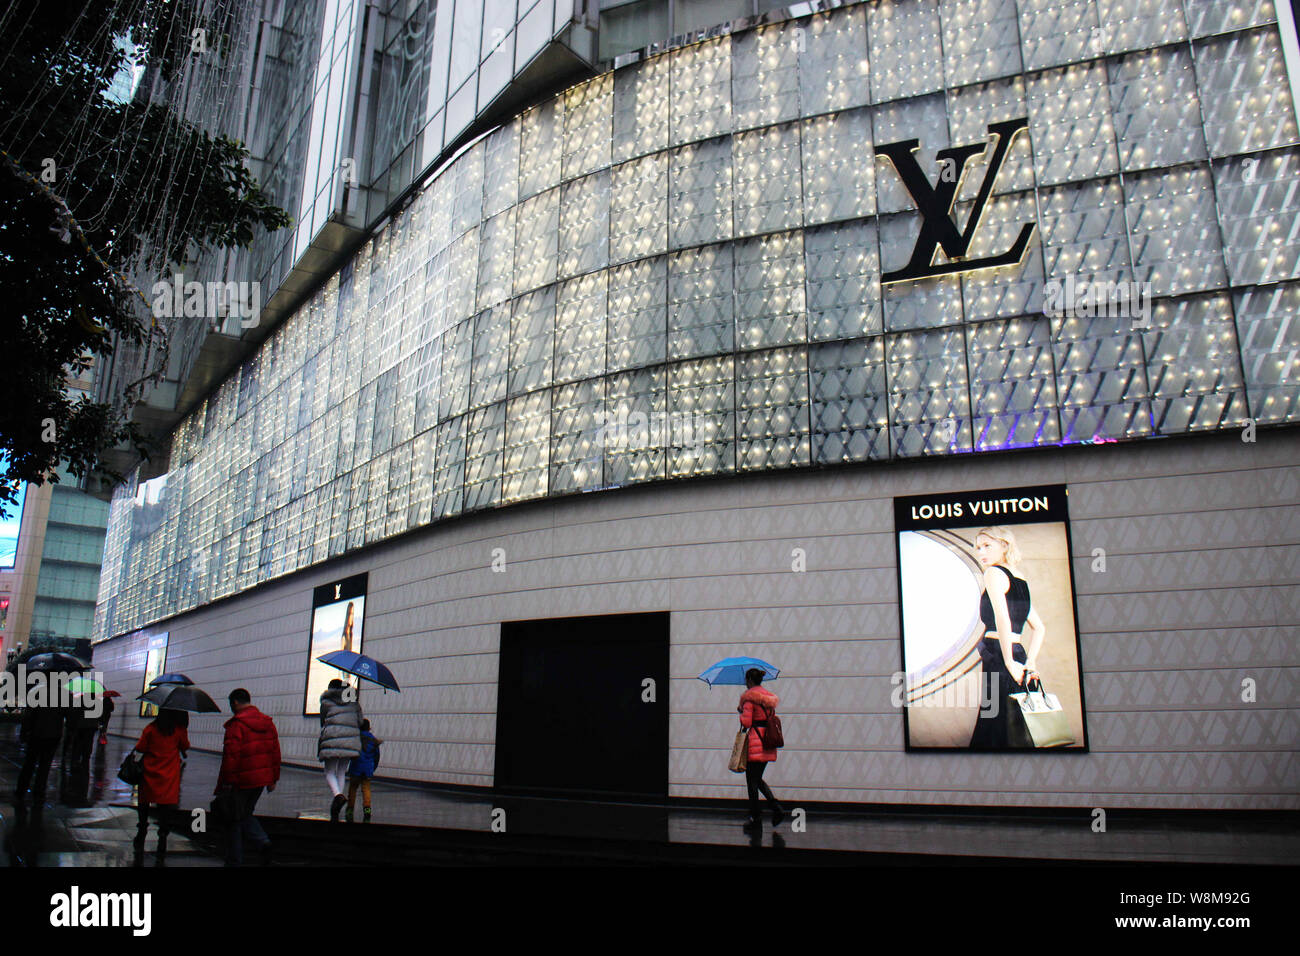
x=250, y=761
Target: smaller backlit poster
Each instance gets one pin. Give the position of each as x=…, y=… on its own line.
x=155, y=665
x=337, y=612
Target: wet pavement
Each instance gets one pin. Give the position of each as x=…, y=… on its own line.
x=89, y=820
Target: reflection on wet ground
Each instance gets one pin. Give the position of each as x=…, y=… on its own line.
x=88, y=819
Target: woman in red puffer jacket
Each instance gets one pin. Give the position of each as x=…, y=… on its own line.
x=756, y=704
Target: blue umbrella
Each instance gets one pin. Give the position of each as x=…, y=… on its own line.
x=367, y=668
x=176, y=678
x=732, y=671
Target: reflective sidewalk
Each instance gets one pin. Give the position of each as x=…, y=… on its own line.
x=91, y=823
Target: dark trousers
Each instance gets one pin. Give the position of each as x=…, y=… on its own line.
x=244, y=826
x=754, y=781
x=1006, y=729
x=142, y=811
x=39, y=757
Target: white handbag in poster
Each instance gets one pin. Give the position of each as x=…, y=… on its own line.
x=1044, y=718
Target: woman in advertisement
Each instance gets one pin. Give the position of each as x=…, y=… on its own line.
x=347, y=627
x=340, y=738
x=163, y=747
x=1007, y=611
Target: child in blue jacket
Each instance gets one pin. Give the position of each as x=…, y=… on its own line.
x=361, y=769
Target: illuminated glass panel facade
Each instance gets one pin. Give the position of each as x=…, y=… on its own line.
x=673, y=270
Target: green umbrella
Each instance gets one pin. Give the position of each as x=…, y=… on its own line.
x=85, y=685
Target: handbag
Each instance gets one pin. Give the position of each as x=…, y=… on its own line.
x=1044, y=717
x=739, y=753
x=773, y=736
x=132, y=770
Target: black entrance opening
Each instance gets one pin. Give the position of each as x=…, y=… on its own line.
x=571, y=715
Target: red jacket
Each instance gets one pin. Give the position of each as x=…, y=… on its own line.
x=250, y=756
x=757, y=703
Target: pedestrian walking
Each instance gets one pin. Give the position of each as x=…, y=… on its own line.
x=757, y=705
x=360, y=771
x=41, y=730
x=109, y=707
x=162, y=747
x=340, y=739
x=250, y=762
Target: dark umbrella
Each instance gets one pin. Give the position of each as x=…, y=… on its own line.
x=367, y=668
x=54, y=662
x=176, y=678
x=180, y=697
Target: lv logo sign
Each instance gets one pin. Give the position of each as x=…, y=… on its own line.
x=938, y=231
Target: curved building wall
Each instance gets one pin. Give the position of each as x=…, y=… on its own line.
x=1199, y=594
x=674, y=270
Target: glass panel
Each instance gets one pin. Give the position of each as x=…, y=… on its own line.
x=1174, y=230
x=1268, y=324
x=1157, y=111
x=1259, y=209
x=1054, y=32
x=528, y=426
x=971, y=111
x=1013, y=384
x=700, y=201
x=449, y=469
x=638, y=320
x=577, y=438
x=638, y=215
x=843, y=270
x=1193, y=365
x=491, y=354
x=765, y=74
x=772, y=424
x=635, y=432
x=584, y=224
x=1100, y=378
x=484, y=437
x=588, y=112
x=906, y=50
x=532, y=341
x=701, y=317
x=640, y=108
x=536, y=232
x=1208, y=17
x=768, y=180
x=580, y=327
x=837, y=184
x=1245, y=93
x=501, y=172
x=770, y=308
x=920, y=304
x=702, y=417
x=1010, y=290
x=833, y=70
x=981, y=40
x=1070, y=122
x=850, y=402
x=925, y=120
x=701, y=90
x=496, y=259
x=928, y=395
x=541, y=130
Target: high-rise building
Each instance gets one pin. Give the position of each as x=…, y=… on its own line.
x=900, y=344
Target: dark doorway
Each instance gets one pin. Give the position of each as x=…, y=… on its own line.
x=571, y=714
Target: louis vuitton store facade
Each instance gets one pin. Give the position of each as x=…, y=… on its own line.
x=671, y=342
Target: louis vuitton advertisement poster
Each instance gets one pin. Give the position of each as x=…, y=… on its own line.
x=987, y=612
x=337, y=612
x=155, y=664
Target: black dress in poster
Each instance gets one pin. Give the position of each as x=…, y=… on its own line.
x=987, y=615
x=338, y=609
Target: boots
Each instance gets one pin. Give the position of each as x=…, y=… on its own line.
x=366, y=814
x=336, y=806
x=140, y=834
x=349, y=813
x=162, y=845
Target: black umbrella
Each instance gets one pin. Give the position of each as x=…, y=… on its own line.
x=173, y=678
x=180, y=697
x=54, y=662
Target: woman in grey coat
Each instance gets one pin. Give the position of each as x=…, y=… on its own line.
x=340, y=738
